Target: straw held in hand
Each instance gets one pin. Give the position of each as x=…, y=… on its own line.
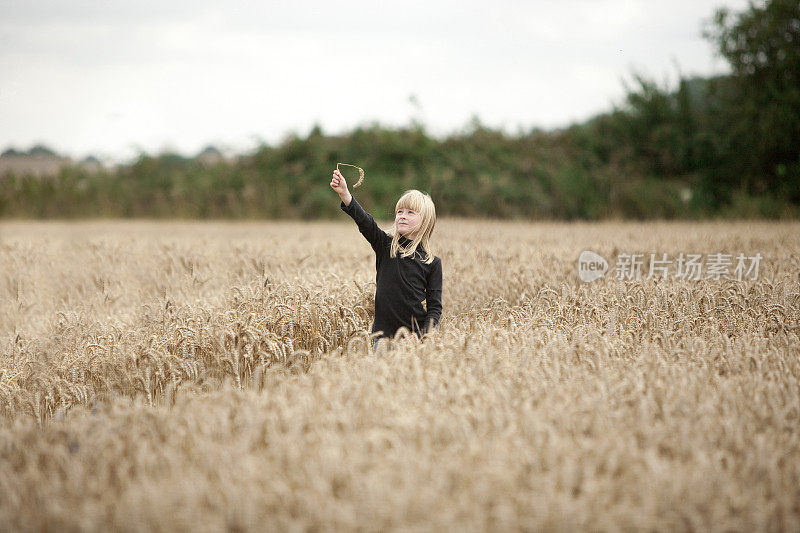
x=360, y=172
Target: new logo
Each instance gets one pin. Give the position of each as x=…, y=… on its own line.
x=591, y=266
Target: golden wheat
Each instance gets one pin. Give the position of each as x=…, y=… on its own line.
x=360, y=173
x=220, y=376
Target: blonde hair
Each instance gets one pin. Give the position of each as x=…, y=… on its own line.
x=422, y=204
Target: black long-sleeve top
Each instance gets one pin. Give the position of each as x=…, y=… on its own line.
x=402, y=283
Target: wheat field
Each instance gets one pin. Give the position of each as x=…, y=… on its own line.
x=219, y=376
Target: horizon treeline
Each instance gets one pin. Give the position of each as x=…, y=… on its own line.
x=727, y=146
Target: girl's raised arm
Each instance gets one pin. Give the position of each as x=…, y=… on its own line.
x=366, y=224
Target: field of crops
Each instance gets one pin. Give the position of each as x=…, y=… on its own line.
x=207, y=376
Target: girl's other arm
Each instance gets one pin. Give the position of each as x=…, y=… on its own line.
x=366, y=224
x=433, y=296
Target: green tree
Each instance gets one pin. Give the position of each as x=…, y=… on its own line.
x=762, y=111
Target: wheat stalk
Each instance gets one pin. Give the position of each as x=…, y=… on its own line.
x=360, y=173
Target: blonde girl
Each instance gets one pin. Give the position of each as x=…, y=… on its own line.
x=407, y=271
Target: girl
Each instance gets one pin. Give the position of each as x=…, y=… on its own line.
x=407, y=270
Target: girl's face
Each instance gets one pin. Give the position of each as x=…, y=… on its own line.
x=407, y=222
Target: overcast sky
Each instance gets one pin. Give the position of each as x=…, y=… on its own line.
x=111, y=77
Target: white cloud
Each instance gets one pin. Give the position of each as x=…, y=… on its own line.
x=104, y=77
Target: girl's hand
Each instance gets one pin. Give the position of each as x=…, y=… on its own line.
x=339, y=184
